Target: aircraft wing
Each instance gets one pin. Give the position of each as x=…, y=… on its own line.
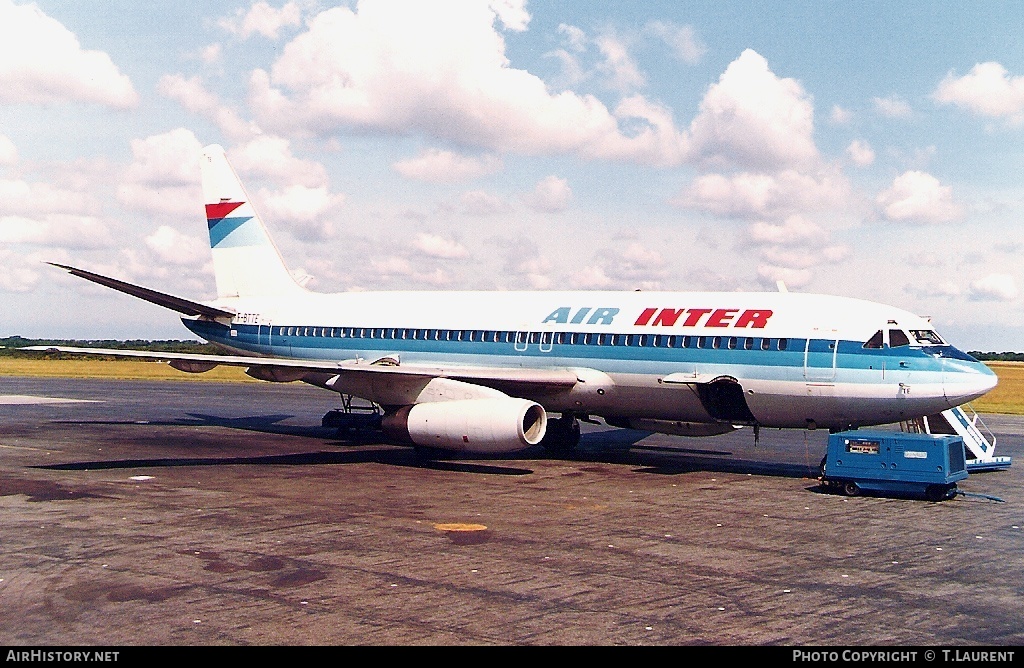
x=507, y=377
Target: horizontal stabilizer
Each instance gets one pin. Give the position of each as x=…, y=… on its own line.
x=159, y=298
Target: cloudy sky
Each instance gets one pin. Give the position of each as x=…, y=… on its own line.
x=867, y=149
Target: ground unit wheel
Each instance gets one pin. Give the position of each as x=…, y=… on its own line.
x=936, y=492
x=851, y=488
x=821, y=467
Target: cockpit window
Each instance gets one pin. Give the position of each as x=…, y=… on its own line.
x=875, y=341
x=898, y=338
x=927, y=337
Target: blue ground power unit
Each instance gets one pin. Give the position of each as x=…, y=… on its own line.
x=928, y=465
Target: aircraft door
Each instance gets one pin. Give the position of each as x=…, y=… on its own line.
x=820, y=353
x=264, y=334
x=547, y=341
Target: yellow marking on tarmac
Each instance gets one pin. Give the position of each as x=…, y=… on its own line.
x=22, y=447
x=460, y=527
x=28, y=399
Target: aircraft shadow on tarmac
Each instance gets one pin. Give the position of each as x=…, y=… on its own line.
x=614, y=446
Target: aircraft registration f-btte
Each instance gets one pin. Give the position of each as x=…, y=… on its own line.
x=482, y=372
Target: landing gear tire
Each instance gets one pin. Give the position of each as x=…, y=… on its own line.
x=563, y=435
x=851, y=489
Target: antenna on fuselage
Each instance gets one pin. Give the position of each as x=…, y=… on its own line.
x=781, y=285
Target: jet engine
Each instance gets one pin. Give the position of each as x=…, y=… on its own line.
x=486, y=426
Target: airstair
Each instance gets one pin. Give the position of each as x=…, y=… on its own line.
x=979, y=447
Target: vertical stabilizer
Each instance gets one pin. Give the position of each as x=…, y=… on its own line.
x=245, y=261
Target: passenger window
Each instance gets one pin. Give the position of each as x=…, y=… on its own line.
x=783, y=344
x=897, y=338
x=748, y=343
x=766, y=344
x=732, y=343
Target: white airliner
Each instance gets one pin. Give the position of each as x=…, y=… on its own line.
x=483, y=371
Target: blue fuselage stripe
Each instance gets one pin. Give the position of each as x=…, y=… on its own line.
x=797, y=359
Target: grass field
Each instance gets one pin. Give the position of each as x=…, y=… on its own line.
x=114, y=369
x=1008, y=397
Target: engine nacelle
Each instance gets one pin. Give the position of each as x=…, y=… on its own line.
x=275, y=374
x=189, y=366
x=486, y=426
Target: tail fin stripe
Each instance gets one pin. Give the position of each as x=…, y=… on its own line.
x=221, y=209
x=229, y=232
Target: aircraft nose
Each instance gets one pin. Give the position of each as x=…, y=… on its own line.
x=966, y=381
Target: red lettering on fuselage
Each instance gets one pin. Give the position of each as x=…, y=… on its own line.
x=719, y=317
x=694, y=315
x=668, y=317
x=755, y=319
x=645, y=317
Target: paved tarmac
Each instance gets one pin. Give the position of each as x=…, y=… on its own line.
x=191, y=513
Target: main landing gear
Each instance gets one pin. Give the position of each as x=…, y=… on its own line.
x=562, y=436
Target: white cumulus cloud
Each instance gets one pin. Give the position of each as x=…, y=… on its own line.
x=795, y=229
x=307, y=211
x=261, y=19
x=752, y=195
x=8, y=151
x=163, y=177
x=683, y=40
x=840, y=116
x=171, y=246
x=551, y=195
x=892, y=107
x=438, y=246
x=619, y=66
x=861, y=153
x=56, y=229
x=481, y=203
x=999, y=287
x=439, y=166
x=271, y=157
x=193, y=96
x=753, y=119
x=918, y=197
x=41, y=61
x=987, y=90
x=440, y=69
